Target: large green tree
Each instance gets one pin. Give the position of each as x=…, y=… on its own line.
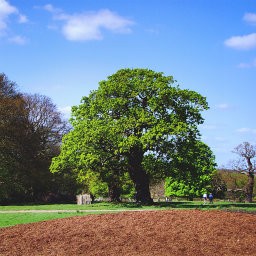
x=135, y=117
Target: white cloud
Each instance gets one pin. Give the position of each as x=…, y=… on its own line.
x=223, y=106
x=246, y=130
x=18, y=40
x=5, y=10
x=23, y=18
x=52, y=9
x=220, y=139
x=208, y=127
x=49, y=8
x=90, y=25
x=66, y=111
x=245, y=42
x=153, y=31
x=248, y=65
x=250, y=18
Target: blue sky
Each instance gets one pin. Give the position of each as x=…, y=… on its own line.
x=62, y=49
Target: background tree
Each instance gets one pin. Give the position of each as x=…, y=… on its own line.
x=192, y=170
x=247, y=153
x=218, y=185
x=45, y=128
x=31, y=129
x=145, y=112
x=235, y=183
x=12, y=132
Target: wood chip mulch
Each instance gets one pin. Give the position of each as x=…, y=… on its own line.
x=162, y=233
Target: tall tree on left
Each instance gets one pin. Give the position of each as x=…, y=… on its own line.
x=31, y=129
x=12, y=131
x=44, y=131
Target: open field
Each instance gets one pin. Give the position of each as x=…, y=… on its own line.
x=144, y=233
x=13, y=215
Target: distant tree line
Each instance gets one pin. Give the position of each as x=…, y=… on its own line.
x=31, y=129
x=230, y=184
x=238, y=179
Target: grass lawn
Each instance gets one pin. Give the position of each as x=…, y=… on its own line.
x=14, y=218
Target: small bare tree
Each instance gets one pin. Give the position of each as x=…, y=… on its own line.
x=245, y=164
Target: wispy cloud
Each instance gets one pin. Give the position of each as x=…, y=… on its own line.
x=208, y=127
x=23, y=18
x=220, y=139
x=66, y=111
x=250, y=18
x=153, y=31
x=246, y=130
x=18, y=40
x=52, y=9
x=89, y=25
x=251, y=64
x=6, y=11
x=223, y=106
x=245, y=42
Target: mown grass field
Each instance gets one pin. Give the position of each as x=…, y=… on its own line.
x=21, y=214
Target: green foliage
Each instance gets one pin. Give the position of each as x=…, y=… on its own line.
x=30, y=132
x=218, y=185
x=91, y=183
x=12, y=138
x=233, y=179
x=236, y=183
x=136, y=122
x=192, y=171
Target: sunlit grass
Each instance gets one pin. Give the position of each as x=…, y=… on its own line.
x=14, y=218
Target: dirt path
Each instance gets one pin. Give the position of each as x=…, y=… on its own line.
x=162, y=233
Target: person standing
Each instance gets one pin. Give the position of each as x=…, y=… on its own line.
x=205, y=198
x=211, y=198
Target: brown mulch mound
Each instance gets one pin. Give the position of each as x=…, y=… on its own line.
x=188, y=232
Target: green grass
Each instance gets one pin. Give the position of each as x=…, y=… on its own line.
x=11, y=219
x=99, y=206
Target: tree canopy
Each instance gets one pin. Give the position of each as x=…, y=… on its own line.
x=191, y=172
x=31, y=129
x=137, y=118
x=246, y=152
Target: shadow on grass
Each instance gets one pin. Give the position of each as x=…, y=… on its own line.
x=183, y=205
x=193, y=205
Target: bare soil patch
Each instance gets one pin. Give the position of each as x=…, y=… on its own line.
x=188, y=232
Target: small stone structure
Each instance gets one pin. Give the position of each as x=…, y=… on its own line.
x=83, y=199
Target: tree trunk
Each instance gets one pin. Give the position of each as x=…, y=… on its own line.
x=250, y=183
x=139, y=176
x=114, y=192
x=249, y=187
